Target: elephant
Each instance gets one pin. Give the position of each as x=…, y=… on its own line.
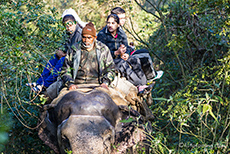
x=91, y=123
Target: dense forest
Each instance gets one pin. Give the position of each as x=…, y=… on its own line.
x=188, y=40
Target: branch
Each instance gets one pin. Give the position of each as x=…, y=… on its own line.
x=7, y=102
x=153, y=5
x=148, y=11
x=158, y=5
x=139, y=38
x=134, y=36
x=157, y=9
x=174, y=79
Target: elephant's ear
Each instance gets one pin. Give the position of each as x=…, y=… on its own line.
x=47, y=131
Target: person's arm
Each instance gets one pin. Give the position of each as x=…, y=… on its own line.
x=129, y=50
x=125, y=41
x=55, y=73
x=108, y=66
x=47, y=70
x=66, y=72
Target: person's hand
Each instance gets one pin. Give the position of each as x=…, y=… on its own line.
x=73, y=86
x=125, y=56
x=103, y=85
x=60, y=53
x=122, y=49
x=118, y=52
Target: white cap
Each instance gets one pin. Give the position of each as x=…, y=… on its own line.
x=74, y=14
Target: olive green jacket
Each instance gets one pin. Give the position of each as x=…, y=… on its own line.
x=106, y=67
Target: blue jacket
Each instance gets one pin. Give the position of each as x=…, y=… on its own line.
x=51, y=71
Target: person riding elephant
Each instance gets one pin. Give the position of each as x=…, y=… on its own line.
x=73, y=25
x=142, y=54
x=88, y=62
x=112, y=36
x=88, y=122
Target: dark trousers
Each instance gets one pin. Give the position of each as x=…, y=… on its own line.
x=131, y=70
x=146, y=63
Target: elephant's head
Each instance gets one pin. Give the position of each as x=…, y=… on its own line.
x=88, y=123
x=86, y=134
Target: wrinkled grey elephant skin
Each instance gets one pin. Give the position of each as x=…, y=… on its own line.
x=89, y=123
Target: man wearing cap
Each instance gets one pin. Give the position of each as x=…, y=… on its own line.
x=73, y=25
x=88, y=62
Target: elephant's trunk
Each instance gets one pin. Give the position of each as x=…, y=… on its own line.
x=85, y=134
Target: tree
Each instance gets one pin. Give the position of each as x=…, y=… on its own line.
x=191, y=38
x=193, y=105
x=29, y=34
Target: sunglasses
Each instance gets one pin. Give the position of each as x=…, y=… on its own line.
x=69, y=23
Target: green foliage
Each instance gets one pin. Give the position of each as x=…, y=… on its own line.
x=190, y=38
x=127, y=120
x=5, y=125
x=68, y=152
x=199, y=113
x=30, y=33
x=192, y=98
